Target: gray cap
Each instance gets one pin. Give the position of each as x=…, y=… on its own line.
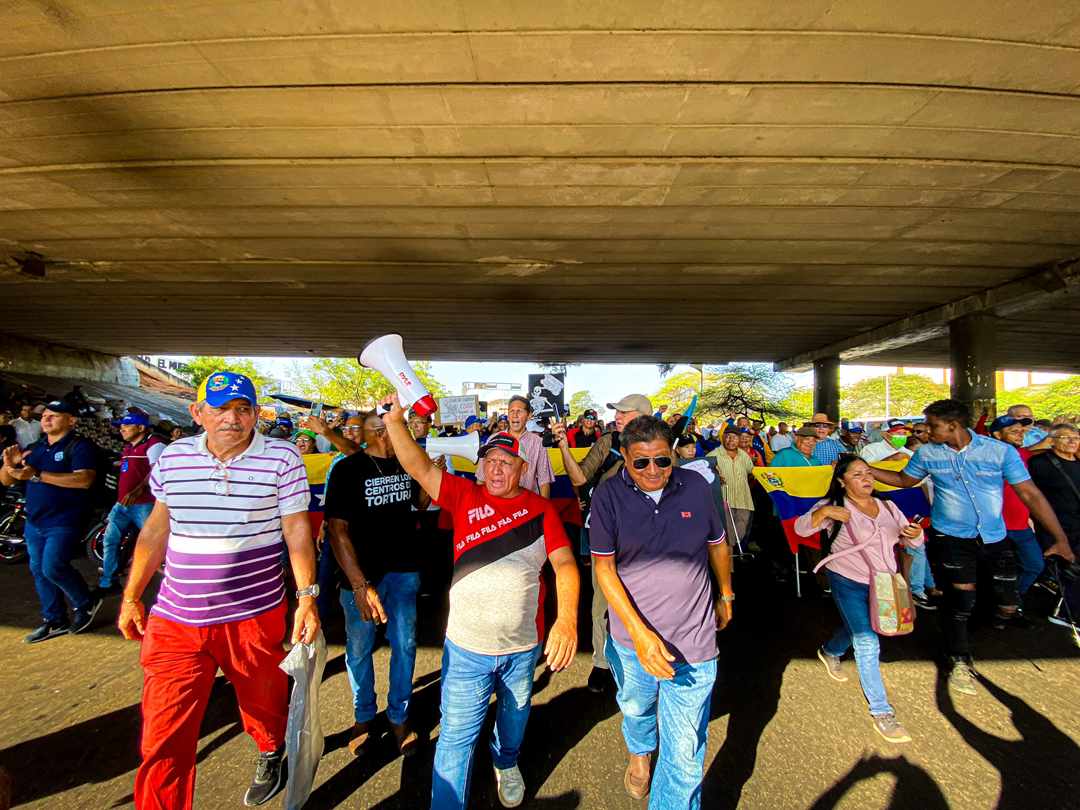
x=633, y=402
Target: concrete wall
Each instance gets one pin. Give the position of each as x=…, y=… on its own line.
x=48, y=359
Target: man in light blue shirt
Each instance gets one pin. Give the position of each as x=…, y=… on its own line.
x=827, y=450
x=969, y=472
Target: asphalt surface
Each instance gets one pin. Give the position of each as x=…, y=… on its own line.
x=782, y=734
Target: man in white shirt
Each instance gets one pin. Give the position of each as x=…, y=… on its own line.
x=27, y=429
x=782, y=438
x=894, y=435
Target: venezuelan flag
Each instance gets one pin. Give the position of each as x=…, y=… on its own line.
x=795, y=490
x=317, y=466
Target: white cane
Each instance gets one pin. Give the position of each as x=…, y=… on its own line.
x=740, y=554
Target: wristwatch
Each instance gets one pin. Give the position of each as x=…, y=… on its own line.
x=727, y=598
x=311, y=590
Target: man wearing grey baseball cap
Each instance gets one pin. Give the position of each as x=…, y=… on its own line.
x=603, y=461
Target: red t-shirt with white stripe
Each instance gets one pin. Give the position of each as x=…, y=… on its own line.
x=500, y=545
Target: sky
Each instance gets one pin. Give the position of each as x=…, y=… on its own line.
x=610, y=381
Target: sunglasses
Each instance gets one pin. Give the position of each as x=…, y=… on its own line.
x=662, y=462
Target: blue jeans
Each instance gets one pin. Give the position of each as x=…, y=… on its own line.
x=1029, y=558
x=397, y=592
x=121, y=519
x=677, y=710
x=922, y=579
x=51, y=551
x=328, y=581
x=853, y=601
x=468, y=679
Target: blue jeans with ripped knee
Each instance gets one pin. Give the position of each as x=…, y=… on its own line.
x=468, y=679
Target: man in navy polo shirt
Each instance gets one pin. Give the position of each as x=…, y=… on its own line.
x=654, y=534
x=58, y=470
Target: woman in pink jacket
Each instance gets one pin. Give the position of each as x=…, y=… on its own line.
x=853, y=521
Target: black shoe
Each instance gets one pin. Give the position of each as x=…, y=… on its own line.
x=270, y=775
x=85, y=617
x=101, y=593
x=600, y=681
x=47, y=631
x=921, y=600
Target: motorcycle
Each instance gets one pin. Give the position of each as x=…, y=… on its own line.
x=12, y=523
x=94, y=543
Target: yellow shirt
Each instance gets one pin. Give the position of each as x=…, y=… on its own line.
x=735, y=472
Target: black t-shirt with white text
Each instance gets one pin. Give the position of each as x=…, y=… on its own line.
x=375, y=497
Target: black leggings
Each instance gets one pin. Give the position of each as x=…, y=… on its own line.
x=956, y=561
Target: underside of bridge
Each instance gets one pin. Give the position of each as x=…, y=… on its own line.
x=607, y=181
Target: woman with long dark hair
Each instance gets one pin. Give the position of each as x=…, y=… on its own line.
x=853, y=522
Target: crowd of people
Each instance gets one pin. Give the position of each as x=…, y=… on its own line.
x=664, y=501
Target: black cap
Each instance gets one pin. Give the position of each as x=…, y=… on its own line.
x=62, y=406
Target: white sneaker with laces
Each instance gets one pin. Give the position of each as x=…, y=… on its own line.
x=511, y=786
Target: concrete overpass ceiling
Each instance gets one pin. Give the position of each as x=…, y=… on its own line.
x=294, y=177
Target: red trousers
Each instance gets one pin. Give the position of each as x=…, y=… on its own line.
x=179, y=664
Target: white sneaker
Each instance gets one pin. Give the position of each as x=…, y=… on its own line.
x=511, y=786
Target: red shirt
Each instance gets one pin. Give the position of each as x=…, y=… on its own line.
x=1013, y=510
x=500, y=545
x=135, y=468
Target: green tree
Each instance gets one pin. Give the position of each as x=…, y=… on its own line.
x=751, y=389
x=580, y=401
x=341, y=381
x=199, y=368
x=679, y=389
x=908, y=395
x=798, y=406
x=1058, y=399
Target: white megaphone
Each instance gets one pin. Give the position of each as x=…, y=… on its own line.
x=386, y=355
x=467, y=446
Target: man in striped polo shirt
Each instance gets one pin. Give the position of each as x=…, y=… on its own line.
x=225, y=501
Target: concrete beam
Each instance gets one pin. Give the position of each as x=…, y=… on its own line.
x=1025, y=293
x=50, y=360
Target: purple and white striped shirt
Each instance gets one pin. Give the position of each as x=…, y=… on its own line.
x=223, y=560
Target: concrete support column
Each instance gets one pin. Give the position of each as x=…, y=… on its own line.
x=973, y=352
x=827, y=387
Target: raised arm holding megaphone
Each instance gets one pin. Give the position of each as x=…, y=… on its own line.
x=387, y=356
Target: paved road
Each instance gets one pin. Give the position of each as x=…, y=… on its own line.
x=782, y=735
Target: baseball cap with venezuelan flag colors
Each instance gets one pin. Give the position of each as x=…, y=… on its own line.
x=225, y=386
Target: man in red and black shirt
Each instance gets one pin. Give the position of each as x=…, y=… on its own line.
x=142, y=448
x=503, y=535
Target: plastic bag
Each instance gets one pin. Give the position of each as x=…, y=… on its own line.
x=303, y=735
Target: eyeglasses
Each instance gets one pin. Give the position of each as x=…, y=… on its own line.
x=1066, y=438
x=379, y=431
x=662, y=462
